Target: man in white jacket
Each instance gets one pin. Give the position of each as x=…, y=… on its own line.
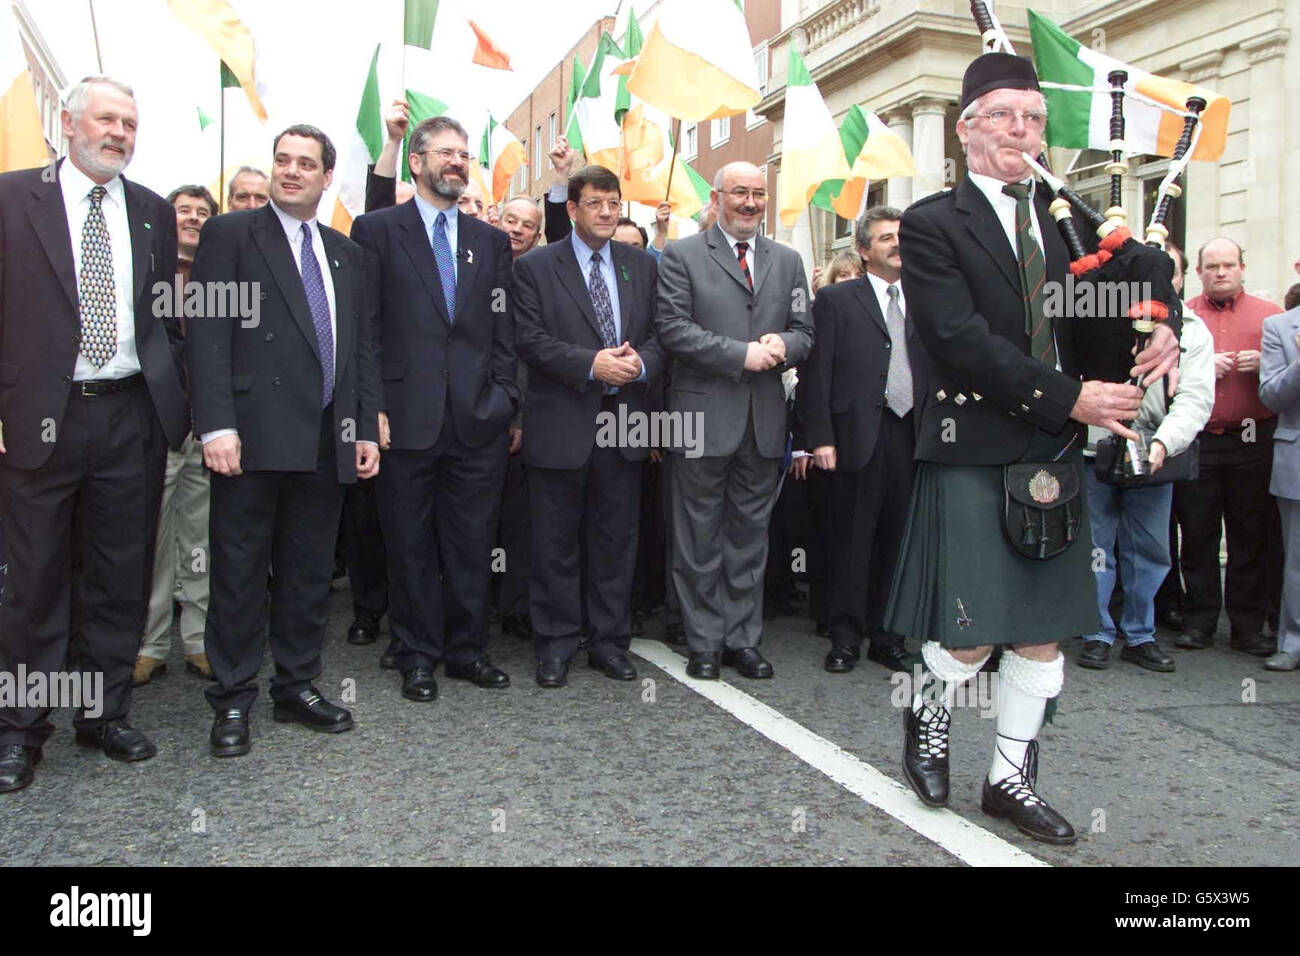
x=1137, y=518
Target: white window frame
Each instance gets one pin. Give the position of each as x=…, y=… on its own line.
x=690, y=139
x=716, y=136
x=551, y=128
x=537, y=152
x=752, y=119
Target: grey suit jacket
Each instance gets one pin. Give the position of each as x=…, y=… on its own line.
x=706, y=317
x=1279, y=389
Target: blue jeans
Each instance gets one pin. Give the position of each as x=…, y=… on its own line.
x=1138, y=520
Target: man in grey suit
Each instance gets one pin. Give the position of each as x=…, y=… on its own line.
x=1279, y=389
x=732, y=314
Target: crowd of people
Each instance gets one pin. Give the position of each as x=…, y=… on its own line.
x=424, y=406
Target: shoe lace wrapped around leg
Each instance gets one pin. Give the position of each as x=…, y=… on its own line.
x=932, y=731
x=1020, y=785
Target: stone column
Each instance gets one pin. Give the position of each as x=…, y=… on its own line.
x=1201, y=185
x=1268, y=264
x=898, y=189
x=928, y=118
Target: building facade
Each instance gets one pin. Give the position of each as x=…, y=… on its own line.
x=904, y=59
x=47, y=78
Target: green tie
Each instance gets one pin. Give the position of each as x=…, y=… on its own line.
x=1033, y=275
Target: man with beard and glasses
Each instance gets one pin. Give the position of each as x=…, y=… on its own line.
x=445, y=335
x=91, y=396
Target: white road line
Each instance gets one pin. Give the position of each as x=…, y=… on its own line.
x=966, y=841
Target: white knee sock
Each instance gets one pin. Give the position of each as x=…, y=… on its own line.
x=951, y=674
x=1024, y=687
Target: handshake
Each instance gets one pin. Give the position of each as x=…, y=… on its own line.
x=768, y=352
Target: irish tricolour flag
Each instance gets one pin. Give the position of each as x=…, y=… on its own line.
x=1074, y=80
x=811, y=148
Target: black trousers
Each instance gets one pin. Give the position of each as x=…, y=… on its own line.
x=869, y=510
x=820, y=521
x=289, y=521
x=652, y=541
x=514, y=536
x=80, y=535
x=437, y=507
x=1233, y=490
x=600, y=502
x=363, y=549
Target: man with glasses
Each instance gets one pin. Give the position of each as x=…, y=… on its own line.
x=445, y=334
x=732, y=314
x=585, y=326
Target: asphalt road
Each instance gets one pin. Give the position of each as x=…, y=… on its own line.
x=1152, y=769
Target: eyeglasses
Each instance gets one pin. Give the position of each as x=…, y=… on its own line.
x=1000, y=119
x=740, y=194
x=446, y=155
x=596, y=205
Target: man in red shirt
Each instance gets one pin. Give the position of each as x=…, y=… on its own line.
x=1236, y=464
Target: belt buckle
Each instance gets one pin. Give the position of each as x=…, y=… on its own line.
x=87, y=388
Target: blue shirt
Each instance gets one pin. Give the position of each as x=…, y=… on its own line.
x=583, y=253
x=429, y=216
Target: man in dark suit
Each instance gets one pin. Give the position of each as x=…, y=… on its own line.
x=857, y=392
x=1006, y=387
x=584, y=324
x=732, y=313
x=445, y=332
x=286, y=405
x=91, y=396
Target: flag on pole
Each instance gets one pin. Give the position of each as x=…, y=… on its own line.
x=698, y=62
x=503, y=154
x=365, y=141
x=1074, y=81
x=812, y=151
x=218, y=23
x=595, y=106
x=571, y=131
x=22, y=138
x=237, y=135
x=874, y=152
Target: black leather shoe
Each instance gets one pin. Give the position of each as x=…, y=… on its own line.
x=552, y=672
x=312, y=710
x=517, y=625
x=364, y=629
x=119, y=741
x=230, y=737
x=1149, y=655
x=1016, y=801
x=1195, y=639
x=925, y=754
x=749, y=662
x=841, y=659
x=1096, y=655
x=1172, y=618
x=17, y=763
x=675, y=634
x=703, y=666
x=388, y=659
x=893, y=657
x=1257, y=645
x=615, y=667
x=419, y=684
x=481, y=673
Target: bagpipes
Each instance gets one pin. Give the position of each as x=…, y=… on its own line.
x=1123, y=271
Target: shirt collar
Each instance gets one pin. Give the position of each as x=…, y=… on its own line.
x=583, y=252
x=77, y=185
x=992, y=188
x=1226, y=306
x=881, y=286
x=291, y=225
x=429, y=213
x=732, y=240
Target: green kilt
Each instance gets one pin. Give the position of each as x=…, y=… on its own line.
x=958, y=581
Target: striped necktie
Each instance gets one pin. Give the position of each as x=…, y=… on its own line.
x=741, y=249
x=1033, y=277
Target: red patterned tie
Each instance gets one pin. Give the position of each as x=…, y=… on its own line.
x=741, y=249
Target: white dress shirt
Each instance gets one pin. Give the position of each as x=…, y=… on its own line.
x=76, y=187
x=881, y=288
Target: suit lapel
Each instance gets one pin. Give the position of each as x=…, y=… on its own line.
x=271, y=240
x=49, y=219
x=867, y=296
x=416, y=243
x=345, y=329
x=472, y=255
x=141, y=240
x=571, y=278
x=983, y=223
x=762, y=261
x=720, y=250
x=621, y=257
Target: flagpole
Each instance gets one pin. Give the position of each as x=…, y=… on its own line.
x=94, y=28
x=221, y=176
x=672, y=163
